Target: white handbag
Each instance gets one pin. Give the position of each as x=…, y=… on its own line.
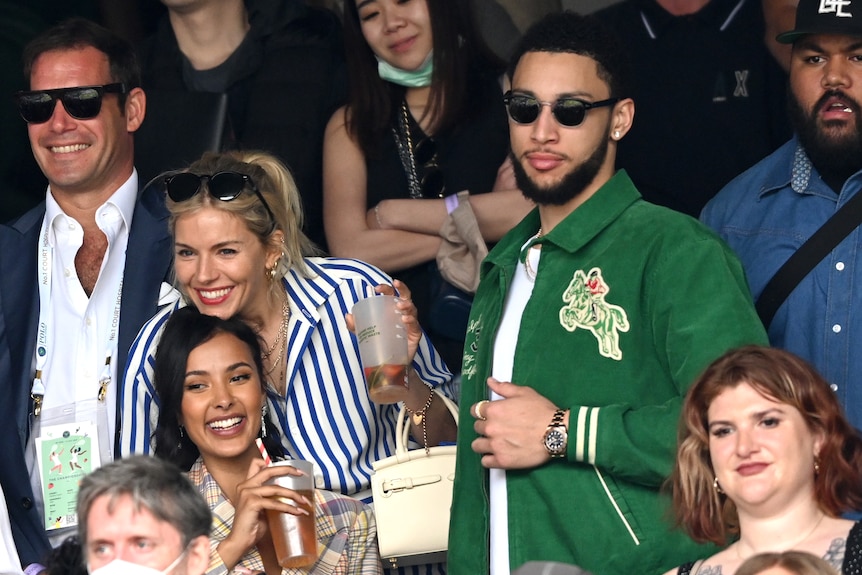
x=412, y=495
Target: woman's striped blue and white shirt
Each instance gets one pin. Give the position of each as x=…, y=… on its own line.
x=325, y=414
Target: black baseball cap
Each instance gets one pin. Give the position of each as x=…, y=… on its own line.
x=842, y=17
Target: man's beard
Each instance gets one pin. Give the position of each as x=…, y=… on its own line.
x=836, y=157
x=572, y=184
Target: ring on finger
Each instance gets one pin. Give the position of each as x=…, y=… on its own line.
x=477, y=409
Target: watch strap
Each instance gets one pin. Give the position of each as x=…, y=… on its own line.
x=556, y=422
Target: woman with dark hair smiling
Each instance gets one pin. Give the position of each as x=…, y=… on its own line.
x=768, y=463
x=424, y=121
x=209, y=378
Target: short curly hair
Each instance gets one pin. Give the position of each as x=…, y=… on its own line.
x=585, y=35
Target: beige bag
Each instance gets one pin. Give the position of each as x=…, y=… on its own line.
x=412, y=496
x=462, y=250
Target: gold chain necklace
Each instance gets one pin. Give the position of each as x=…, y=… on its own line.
x=268, y=352
x=531, y=273
x=281, y=337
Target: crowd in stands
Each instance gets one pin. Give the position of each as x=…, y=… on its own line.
x=623, y=236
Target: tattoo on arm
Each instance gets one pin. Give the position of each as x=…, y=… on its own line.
x=835, y=554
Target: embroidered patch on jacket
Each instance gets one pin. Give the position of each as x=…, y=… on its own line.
x=469, y=360
x=586, y=308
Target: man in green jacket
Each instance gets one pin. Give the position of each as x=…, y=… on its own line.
x=593, y=316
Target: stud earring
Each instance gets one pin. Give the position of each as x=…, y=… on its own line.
x=616, y=134
x=716, y=486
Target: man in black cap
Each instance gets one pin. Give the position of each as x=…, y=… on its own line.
x=771, y=210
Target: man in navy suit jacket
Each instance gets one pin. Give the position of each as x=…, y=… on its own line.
x=81, y=272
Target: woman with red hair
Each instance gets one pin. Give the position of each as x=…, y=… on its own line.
x=767, y=462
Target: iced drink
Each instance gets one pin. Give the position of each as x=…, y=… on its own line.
x=382, y=347
x=294, y=536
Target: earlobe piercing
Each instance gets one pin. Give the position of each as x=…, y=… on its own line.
x=616, y=134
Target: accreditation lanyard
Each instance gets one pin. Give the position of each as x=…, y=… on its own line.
x=37, y=392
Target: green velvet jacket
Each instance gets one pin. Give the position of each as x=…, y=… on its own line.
x=631, y=301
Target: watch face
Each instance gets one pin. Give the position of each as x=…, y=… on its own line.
x=555, y=441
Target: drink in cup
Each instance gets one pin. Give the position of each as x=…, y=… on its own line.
x=382, y=347
x=294, y=536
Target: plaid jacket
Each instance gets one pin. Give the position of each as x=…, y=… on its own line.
x=346, y=532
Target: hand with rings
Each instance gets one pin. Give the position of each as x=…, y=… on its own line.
x=477, y=410
x=509, y=430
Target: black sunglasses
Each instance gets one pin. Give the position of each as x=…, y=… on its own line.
x=224, y=186
x=569, y=112
x=81, y=102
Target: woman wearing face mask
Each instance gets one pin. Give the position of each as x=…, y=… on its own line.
x=209, y=379
x=424, y=121
x=767, y=462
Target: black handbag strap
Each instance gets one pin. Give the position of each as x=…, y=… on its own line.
x=809, y=254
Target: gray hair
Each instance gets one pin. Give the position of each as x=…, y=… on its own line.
x=153, y=484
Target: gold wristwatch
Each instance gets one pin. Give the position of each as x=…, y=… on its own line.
x=556, y=435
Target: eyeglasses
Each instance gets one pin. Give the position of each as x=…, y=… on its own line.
x=569, y=112
x=425, y=155
x=82, y=102
x=224, y=186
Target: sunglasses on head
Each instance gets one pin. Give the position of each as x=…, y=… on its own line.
x=569, y=112
x=81, y=102
x=224, y=186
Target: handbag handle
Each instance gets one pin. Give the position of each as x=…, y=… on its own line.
x=402, y=432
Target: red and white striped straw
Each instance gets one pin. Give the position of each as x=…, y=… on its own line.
x=263, y=452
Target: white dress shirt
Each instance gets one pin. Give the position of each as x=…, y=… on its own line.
x=78, y=328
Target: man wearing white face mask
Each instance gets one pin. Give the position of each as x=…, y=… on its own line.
x=141, y=516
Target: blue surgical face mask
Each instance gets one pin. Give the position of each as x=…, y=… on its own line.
x=418, y=78
x=120, y=567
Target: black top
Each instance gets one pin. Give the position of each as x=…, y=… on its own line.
x=469, y=157
x=709, y=98
x=852, y=564
x=283, y=85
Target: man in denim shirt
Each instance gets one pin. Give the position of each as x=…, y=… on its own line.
x=769, y=211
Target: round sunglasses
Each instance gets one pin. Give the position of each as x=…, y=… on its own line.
x=80, y=102
x=569, y=112
x=223, y=186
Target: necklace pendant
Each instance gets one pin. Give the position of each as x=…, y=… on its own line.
x=417, y=418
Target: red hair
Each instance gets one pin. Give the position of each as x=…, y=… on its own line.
x=708, y=515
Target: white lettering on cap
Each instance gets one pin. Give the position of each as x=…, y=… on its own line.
x=836, y=7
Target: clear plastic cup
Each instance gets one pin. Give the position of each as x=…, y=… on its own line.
x=294, y=536
x=382, y=348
